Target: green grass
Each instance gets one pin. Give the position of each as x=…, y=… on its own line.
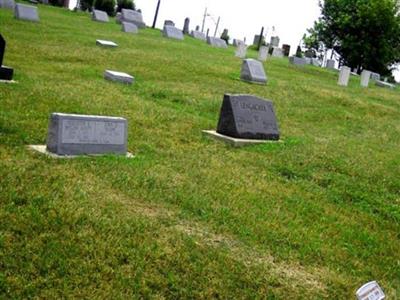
x=314, y=217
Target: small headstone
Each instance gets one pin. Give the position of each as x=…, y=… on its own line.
x=26, y=12
x=315, y=62
x=274, y=41
x=186, y=26
x=7, y=4
x=370, y=291
x=197, y=28
x=344, y=76
x=248, y=117
x=298, y=61
x=173, y=32
x=257, y=40
x=236, y=42
x=6, y=73
x=106, y=43
x=253, y=71
x=225, y=36
x=277, y=52
x=132, y=16
x=216, y=42
x=118, y=77
x=365, y=76
x=99, y=16
x=129, y=27
x=263, y=53
x=330, y=64
x=286, y=50
x=307, y=60
x=118, y=18
x=309, y=53
x=169, y=23
x=198, y=35
x=384, y=84
x=375, y=76
x=70, y=134
x=241, y=51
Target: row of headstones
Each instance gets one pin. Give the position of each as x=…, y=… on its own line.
x=344, y=77
x=130, y=19
x=21, y=11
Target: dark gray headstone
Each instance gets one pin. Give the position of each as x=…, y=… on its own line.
x=173, y=32
x=257, y=40
x=186, y=26
x=197, y=28
x=83, y=134
x=299, y=61
x=132, y=16
x=169, y=23
x=253, y=71
x=7, y=4
x=274, y=41
x=216, y=42
x=198, y=35
x=26, y=12
x=129, y=27
x=6, y=73
x=99, y=16
x=375, y=76
x=286, y=50
x=248, y=117
x=309, y=53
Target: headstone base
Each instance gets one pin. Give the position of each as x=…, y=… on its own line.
x=235, y=142
x=6, y=73
x=42, y=149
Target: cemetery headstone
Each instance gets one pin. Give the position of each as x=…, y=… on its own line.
x=225, y=36
x=263, y=53
x=7, y=4
x=248, y=117
x=216, y=42
x=257, y=40
x=370, y=291
x=173, y=32
x=277, y=52
x=298, y=61
x=274, y=41
x=384, y=84
x=365, y=76
x=132, y=16
x=129, y=27
x=26, y=12
x=344, y=76
x=241, y=50
x=286, y=50
x=169, y=23
x=253, y=71
x=118, y=77
x=315, y=62
x=118, y=18
x=197, y=28
x=375, y=76
x=6, y=73
x=186, y=26
x=99, y=16
x=198, y=35
x=236, y=42
x=106, y=43
x=70, y=134
x=330, y=64
x=309, y=53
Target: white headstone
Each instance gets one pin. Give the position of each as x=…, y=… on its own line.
x=277, y=52
x=118, y=76
x=253, y=71
x=263, y=53
x=173, y=32
x=365, y=76
x=106, y=43
x=330, y=64
x=241, y=51
x=237, y=42
x=99, y=16
x=26, y=12
x=344, y=76
x=129, y=27
x=370, y=291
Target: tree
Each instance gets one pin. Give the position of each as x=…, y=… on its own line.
x=127, y=4
x=365, y=33
x=105, y=5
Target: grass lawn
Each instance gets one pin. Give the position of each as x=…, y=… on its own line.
x=314, y=217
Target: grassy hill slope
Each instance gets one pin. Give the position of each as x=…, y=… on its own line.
x=313, y=217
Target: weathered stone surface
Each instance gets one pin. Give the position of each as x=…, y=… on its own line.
x=263, y=53
x=384, y=84
x=118, y=77
x=344, y=76
x=7, y=4
x=286, y=50
x=370, y=291
x=132, y=16
x=274, y=42
x=99, y=16
x=365, y=76
x=216, y=42
x=106, y=43
x=241, y=50
x=248, y=117
x=257, y=40
x=6, y=73
x=375, y=76
x=237, y=42
x=169, y=23
x=186, y=26
x=70, y=134
x=298, y=61
x=26, y=12
x=173, y=32
x=330, y=64
x=129, y=27
x=277, y=52
x=253, y=71
x=198, y=35
x=315, y=62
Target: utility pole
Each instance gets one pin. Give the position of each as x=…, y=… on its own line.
x=216, y=27
x=156, y=15
x=204, y=20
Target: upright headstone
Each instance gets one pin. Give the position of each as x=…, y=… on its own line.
x=274, y=41
x=253, y=71
x=132, y=16
x=118, y=18
x=70, y=134
x=370, y=291
x=263, y=53
x=198, y=35
x=169, y=23
x=118, y=77
x=216, y=42
x=129, y=27
x=298, y=61
x=26, y=12
x=186, y=26
x=344, y=76
x=197, y=28
x=241, y=51
x=225, y=36
x=236, y=42
x=365, y=76
x=315, y=62
x=172, y=32
x=6, y=73
x=7, y=4
x=375, y=76
x=330, y=64
x=277, y=52
x=286, y=50
x=99, y=16
x=309, y=53
x=248, y=117
x=257, y=40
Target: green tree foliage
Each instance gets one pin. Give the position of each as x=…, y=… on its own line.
x=365, y=33
x=106, y=5
x=86, y=5
x=127, y=4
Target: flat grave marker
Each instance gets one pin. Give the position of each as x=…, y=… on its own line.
x=384, y=84
x=106, y=43
x=370, y=291
x=118, y=77
x=253, y=71
x=26, y=12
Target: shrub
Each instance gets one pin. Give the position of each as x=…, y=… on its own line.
x=127, y=4
x=56, y=2
x=86, y=5
x=106, y=5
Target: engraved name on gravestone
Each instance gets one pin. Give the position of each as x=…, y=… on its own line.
x=8, y=4
x=99, y=16
x=248, y=117
x=132, y=16
x=6, y=73
x=253, y=71
x=370, y=291
x=173, y=32
x=70, y=134
x=26, y=12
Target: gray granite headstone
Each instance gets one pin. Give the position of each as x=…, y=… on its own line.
x=118, y=18
x=344, y=76
x=274, y=41
x=298, y=61
x=7, y=4
x=277, y=52
x=216, y=42
x=375, y=76
x=237, y=42
x=6, y=73
x=129, y=27
x=132, y=16
x=365, y=77
x=169, y=23
x=248, y=117
x=257, y=40
x=253, y=71
x=330, y=64
x=241, y=50
x=70, y=134
x=118, y=77
x=173, y=32
x=99, y=16
x=198, y=35
x=26, y=12
x=186, y=26
x=263, y=53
